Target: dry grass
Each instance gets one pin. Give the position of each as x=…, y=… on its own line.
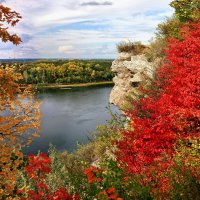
x=155, y=49
x=135, y=48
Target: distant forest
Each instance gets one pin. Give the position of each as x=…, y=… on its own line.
x=64, y=71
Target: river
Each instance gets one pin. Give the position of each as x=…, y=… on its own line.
x=69, y=115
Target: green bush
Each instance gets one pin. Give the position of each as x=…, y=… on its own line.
x=186, y=10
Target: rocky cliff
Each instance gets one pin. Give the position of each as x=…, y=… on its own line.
x=130, y=72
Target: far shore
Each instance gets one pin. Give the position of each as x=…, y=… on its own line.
x=72, y=85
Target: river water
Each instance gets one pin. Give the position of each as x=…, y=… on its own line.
x=69, y=115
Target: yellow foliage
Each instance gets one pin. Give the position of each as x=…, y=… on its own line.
x=19, y=124
x=10, y=159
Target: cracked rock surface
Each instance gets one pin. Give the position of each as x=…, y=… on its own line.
x=130, y=72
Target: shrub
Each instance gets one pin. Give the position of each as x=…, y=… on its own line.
x=169, y=28
x=185, y=174
x=34, y=183
x=155, y=50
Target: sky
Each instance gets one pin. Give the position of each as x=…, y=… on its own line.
x=82, y=29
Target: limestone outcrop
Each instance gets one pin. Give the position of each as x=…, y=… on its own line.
x=130, y=72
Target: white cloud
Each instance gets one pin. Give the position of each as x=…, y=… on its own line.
x=65, y=49
x=47, y=25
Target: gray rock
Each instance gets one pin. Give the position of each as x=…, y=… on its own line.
x=130, y=72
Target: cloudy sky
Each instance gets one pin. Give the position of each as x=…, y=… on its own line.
x=82, y=28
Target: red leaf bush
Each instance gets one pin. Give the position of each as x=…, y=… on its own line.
x=170, y=113
x=91, y=174
x=38, y=166
x=37, y=169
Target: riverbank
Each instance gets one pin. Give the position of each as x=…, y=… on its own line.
x=72, y=85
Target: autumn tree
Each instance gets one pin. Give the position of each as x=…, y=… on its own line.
x=19, y=112
x=8, y=18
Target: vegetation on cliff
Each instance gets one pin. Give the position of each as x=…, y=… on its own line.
x=134, y=48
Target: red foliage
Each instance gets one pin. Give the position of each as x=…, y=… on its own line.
x=170, y=112
x=61, y=194
x=91, y=174
x=37, y=169
x=110, y=194
x=38, y=166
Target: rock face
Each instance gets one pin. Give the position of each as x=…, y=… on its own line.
x=130, y=72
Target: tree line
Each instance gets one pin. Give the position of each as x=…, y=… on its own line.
x=64, y=71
